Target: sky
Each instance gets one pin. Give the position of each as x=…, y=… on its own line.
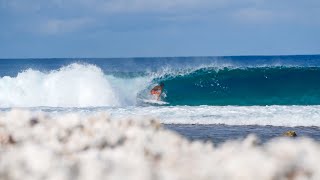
x=157, y=28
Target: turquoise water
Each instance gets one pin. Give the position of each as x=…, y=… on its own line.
x=235, y=91
x=191, y=81
x=245, y=86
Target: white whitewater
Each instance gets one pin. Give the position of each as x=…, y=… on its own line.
x=73, y=147
x=289, y=116
x=75, y=85
x=82, y=88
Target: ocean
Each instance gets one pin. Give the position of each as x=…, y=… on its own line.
x=217, y=118
x=229, y=97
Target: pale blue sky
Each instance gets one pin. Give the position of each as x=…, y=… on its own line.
x=143, y=28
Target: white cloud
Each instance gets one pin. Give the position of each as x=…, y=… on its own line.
x=254, y=15
x=171, y=6
x=62, y=12
x=20, y=6
x=153, y=5
x=123, y=6
x=57, y=26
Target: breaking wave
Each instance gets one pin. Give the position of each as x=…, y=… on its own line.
x=75, y=85
x=244, y=86
x=86, y=85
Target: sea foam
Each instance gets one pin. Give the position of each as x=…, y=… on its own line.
x=289, y=116
x=75, y=85
x=99, y=147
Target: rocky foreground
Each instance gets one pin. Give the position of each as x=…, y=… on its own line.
x=70, y=147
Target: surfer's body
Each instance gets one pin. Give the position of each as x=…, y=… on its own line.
x=157, y=90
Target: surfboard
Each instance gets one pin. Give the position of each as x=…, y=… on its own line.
x=152, y=101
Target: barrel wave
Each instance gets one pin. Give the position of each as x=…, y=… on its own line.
x=89, y=85
x=244, y=86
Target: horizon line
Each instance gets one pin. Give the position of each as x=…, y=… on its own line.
x=142, y=57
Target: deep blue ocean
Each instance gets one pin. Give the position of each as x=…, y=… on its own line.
x=209, y=92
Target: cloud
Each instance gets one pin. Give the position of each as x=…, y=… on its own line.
x=118, y=13
x=254, y=15
x=121, y=6
x=58, y=26
x=161, y=6
x=118, y=6
x=20, y=6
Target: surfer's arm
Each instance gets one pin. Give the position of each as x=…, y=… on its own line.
x=159, y=95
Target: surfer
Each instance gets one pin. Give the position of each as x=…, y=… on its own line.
x=157, y=90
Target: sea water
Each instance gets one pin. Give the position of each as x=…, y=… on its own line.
x=203, y=95
x=220, y=118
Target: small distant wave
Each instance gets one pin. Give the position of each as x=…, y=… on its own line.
x=288, y=116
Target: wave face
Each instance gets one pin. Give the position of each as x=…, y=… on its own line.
x=80, y=85
x=245, y=86
x=75, y=85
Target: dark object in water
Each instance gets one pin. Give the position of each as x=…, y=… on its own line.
x=33, y=121
x=290, y=134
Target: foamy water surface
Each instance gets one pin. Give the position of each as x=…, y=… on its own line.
x=98, y=147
